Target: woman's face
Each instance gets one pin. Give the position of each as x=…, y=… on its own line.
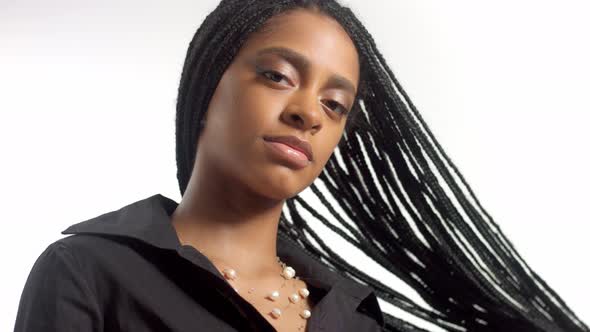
x=297, y=90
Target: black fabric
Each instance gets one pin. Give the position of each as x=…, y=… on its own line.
x=126, y=270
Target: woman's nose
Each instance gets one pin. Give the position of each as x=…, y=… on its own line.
x=304, y=112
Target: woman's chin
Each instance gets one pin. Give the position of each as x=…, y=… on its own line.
x=279, y=190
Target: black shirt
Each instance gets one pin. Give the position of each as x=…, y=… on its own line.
x=126, y=270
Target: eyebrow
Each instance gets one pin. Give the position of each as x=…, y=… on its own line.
x=303, y=63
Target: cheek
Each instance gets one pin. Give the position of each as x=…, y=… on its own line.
x=255, y=109
x=327, y=152
x=236, y=110
x=241, y=112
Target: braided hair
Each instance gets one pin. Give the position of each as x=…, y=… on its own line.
x=406, y=204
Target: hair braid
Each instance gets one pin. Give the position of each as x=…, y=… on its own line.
x=402, y=200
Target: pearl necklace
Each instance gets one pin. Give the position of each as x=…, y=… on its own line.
x=287, y=274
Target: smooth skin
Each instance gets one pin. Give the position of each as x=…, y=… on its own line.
x=237, y=190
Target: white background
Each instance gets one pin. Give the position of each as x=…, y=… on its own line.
x=87, y=102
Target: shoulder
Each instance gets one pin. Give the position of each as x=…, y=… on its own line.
x=89, y=260
x=65, y=259
x=85, y=244
x=57, y=288
x=62, y=256
x=100, y=254
x=78, y=263
x=56, y=258
x=83, y=250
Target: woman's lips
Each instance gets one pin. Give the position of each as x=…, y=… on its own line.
x=284, y=152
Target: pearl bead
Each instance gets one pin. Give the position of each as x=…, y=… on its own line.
x=229, y=274
x=294, y=298
x=274, y=295
x=276, y=313
x=303, y=292
x=288, y=272
x=305, y=313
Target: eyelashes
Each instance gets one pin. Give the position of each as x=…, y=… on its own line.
x=272, y=75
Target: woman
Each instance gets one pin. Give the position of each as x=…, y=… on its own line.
x=274, y=96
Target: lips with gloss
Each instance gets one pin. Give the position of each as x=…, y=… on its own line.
x=294, y=157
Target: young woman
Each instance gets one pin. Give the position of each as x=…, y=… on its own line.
x=276, y=97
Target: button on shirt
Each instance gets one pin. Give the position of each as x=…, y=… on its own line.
x=126, y=270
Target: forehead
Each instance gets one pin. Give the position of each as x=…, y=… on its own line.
x=319, y=38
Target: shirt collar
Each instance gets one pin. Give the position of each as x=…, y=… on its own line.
x=148, y=220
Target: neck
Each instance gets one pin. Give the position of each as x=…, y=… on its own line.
x=234, y=228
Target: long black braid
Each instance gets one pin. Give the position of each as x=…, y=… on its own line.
x=402, y=200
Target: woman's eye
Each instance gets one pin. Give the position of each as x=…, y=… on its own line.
x=277, y=77
x=337, y=105
x=272, y=75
